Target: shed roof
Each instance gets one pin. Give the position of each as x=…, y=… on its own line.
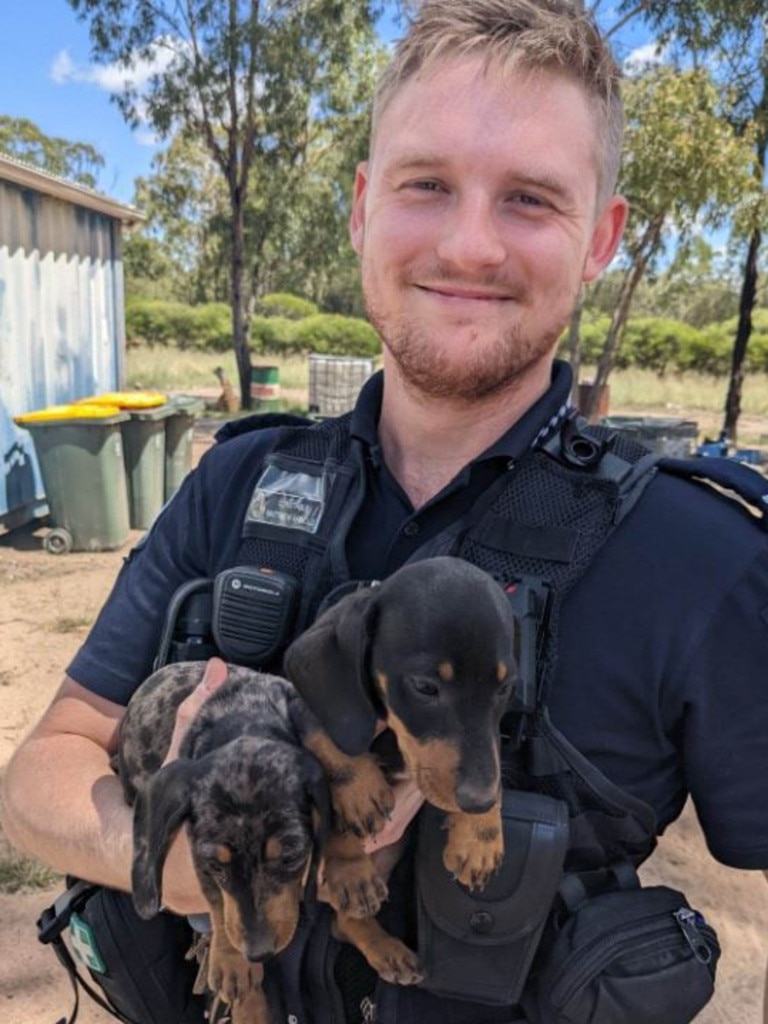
x=28, y=176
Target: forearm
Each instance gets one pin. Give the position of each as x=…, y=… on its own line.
x=64, y=805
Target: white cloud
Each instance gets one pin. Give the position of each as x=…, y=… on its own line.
x=114, y=78
x=641, y=57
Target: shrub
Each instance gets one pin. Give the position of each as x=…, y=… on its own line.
x=707, y=351
x=654, y=343
x=272, y=335
x=592, y=334
x=283, y=304
x=331, y=334
x=161, y=323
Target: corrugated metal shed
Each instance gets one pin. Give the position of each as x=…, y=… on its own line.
x=62, y=317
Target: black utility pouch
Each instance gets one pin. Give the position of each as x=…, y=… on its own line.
x=137, y=970
x=639, y=955
x=479, y=945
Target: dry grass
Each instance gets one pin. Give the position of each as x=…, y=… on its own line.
x=170, y=369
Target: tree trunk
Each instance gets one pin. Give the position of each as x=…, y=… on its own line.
x=748, y=295
x=239, y=332
x=605, y=364
x=573, y=344
x=743, y=333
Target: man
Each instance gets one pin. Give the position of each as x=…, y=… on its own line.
x=486, y=204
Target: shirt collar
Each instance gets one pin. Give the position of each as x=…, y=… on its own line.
x=534, y=425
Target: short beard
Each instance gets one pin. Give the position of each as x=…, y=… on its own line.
x=491, y=371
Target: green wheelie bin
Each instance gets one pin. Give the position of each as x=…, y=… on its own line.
x=80, y=453
x=144, y=443
x=144, y=450
x=179, y=434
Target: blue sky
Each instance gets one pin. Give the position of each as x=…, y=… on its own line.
x=64, y=95
x=46, y=76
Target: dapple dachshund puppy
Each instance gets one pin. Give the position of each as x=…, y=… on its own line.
x=428, y=654
x=255, y=801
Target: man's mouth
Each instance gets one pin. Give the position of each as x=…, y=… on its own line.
x=464, y=293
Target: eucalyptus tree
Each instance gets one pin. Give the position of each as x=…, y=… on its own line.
x=730, y=36
x=24, y=140
x=248, y=78
x=685, y=171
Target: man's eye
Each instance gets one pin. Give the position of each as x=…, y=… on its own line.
x=426, y=186
x=523, y=199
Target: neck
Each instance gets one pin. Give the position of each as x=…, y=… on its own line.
x=426, y=441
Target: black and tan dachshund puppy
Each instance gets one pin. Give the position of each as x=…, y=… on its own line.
x=255, y=801
x=430, y=654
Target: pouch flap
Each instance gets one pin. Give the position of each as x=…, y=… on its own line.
x=519, y=896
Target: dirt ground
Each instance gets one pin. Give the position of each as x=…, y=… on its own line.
x=47, y=603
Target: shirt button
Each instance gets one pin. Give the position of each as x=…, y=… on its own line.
x=411, y=529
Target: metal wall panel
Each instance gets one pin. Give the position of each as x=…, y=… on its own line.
x=61, y=322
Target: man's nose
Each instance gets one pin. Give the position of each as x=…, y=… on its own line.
x=470, y=239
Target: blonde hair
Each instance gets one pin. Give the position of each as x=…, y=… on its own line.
x=513, y=35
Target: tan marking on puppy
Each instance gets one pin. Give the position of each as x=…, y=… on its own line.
x=432, y=764
x=229, y=973
x=279, y=911
x=501, y=672
x=273, y=849
x=354, y=885
x=361, y=796
x=389, y=957
x=282, y=911
x=475, y=847
x=446, y=671
x=223, y=854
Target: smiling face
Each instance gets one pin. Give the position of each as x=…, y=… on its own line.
x=476, y=223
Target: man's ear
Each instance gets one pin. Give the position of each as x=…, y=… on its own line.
x=357, y=216
x=606, y=237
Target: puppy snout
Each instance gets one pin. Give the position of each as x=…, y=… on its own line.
x=256, y=953
x=473, y=800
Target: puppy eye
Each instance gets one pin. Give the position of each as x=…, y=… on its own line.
x=425, y=686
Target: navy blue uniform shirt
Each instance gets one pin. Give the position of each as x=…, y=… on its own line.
x=661, y=678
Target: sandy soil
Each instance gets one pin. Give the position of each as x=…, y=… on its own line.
x=46, y=605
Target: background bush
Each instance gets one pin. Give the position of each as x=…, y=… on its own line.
x=331, y=334
x=294, y=307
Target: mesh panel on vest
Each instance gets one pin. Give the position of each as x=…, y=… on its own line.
x=288, y=558
x=329, y=439
x=543, y=493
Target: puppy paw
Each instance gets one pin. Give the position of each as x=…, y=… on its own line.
x=354, y=886
x=389, y=957
x=252, y=1008
x=394, y=961
x=474, y=849
x=232, y=976
x=362, y=798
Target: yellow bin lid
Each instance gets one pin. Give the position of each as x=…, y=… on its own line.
x=128, y=399
x=74, y=411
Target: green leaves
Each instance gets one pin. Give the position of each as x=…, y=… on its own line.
x=22, y=139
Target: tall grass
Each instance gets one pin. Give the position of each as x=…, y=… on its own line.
x=170, y=369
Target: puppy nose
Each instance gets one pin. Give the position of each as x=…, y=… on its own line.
x=474, y=801
x=256, y=953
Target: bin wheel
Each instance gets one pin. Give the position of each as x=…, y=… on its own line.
x=58, y=542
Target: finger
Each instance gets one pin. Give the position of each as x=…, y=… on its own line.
x=215, y=675
x=408, y=801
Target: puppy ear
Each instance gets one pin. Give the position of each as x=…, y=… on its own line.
x=160, y=809
x=328, y=666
